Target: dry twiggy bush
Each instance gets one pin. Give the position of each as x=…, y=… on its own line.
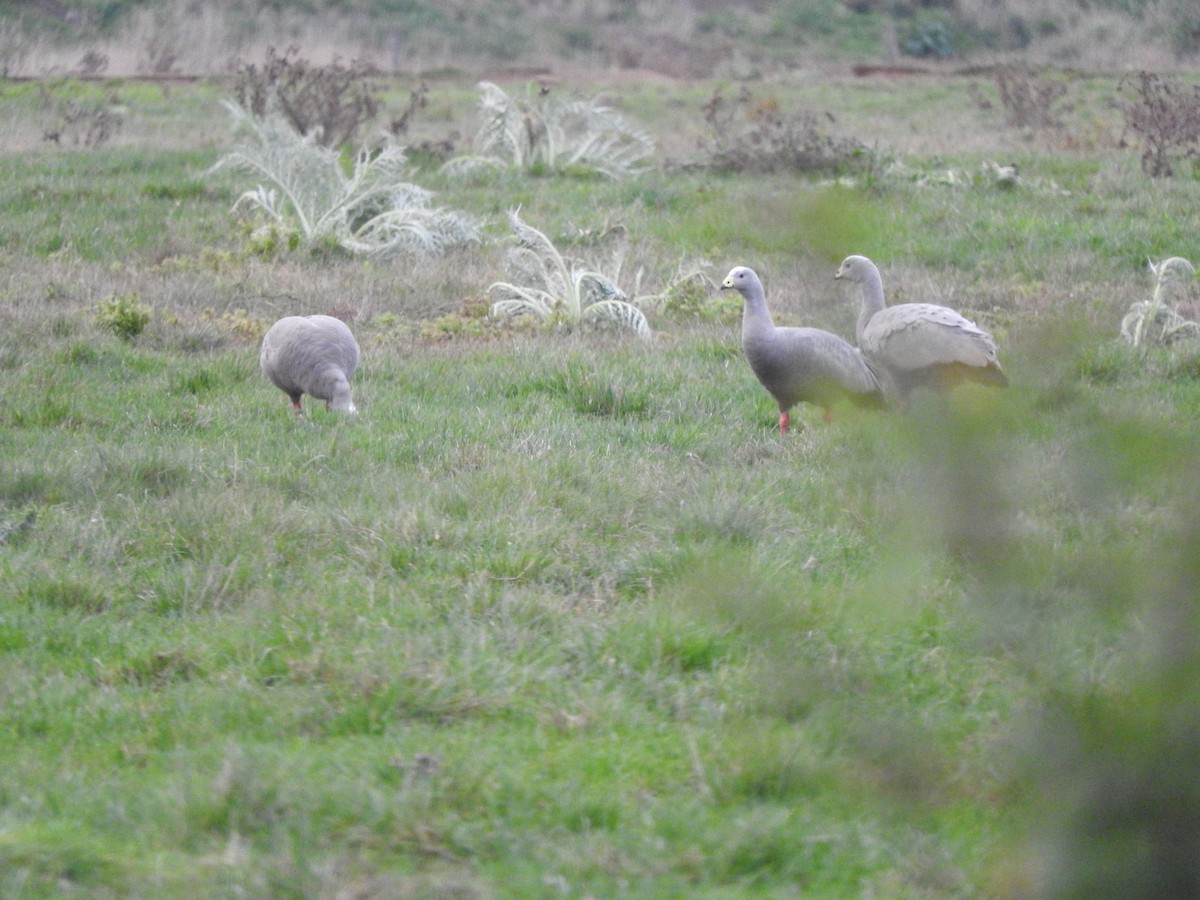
x=752, y=134
x=330, y=103
x=1165, y=115
x=80, y=122
x=1029, y=100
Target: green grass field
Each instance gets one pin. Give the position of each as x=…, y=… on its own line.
x=561, y=613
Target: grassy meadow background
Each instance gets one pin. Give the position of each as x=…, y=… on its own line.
x=561, y=613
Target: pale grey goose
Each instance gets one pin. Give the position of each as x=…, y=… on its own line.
x=798, y=365
x=314, y=355
x=915, y=345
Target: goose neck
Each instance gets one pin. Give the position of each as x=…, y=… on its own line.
x=755, y=314
x=872, y=299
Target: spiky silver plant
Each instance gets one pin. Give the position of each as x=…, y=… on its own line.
x=554, y=289
x=557, y=132
x=1154, y=320
x=371, y=210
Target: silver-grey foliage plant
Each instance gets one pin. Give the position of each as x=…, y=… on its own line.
x=546, y=129
x=552, y=288
x=305, y=189
x=1153, y=320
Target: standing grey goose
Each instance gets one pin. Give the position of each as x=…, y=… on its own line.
x=314, y=355
x=798, y=365
x=915, y=345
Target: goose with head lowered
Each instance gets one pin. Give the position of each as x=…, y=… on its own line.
x=914, y=345
x=314, y=355
x=799, y=365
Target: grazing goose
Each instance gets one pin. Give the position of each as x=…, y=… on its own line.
x=918, y=344
x=314, y=355
x=798, y=365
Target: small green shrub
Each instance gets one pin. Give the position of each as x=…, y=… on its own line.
x=124, y=315
x=451, y=326
x=692, y=294
x=271, y=240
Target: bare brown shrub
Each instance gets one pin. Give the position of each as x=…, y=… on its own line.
x=1029, y=99
x=755, y=134
x=1165, y=115
x=329, y=102
x=86, y=123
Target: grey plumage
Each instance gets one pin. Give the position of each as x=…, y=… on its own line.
x=915, y=345
x=314, y=355
x=799, y=365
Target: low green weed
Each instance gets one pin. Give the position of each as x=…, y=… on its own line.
x=125, y=316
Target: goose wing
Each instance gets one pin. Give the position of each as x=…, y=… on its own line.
x=921, y=335
x=798, y=364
